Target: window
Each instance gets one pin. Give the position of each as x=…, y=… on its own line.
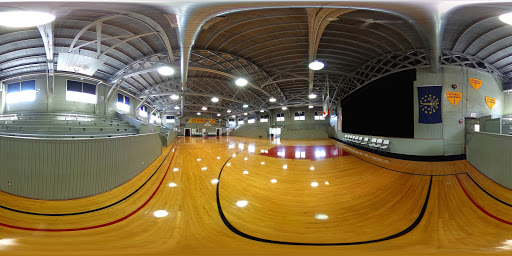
x=299, y=116
x=81, y=92
x=155, y=118
x=280, y=117
x=143, y=111
x=240, y=121
x=170, y=119
x=264, y=119
x=123, y=103
x=319, y=116
x=21, y=91
x=231, y=121
x=250, y=120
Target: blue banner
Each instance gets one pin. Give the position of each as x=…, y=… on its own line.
x=429, y=103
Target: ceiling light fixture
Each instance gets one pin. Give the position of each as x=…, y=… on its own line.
x=262, y=111
x=272, y=99
x=310, y=106
x=245, y=106
x=174, y=97
x=241, y=82
x=316, y=65
x=215, y=99
x=218, y=114
x=284, y=108
x=204, y=108
x=198, y=113
x=23, y=19
x=312, y=96
x=245, y=114
x=176, y=107
x=229, y=111
x=507, y=18
x=165, y=71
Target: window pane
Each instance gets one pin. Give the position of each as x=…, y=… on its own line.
x=28, y=85
x=126, y=100
x=74, y=86
x=14, y=87
x=89, y=88
x=120, y=98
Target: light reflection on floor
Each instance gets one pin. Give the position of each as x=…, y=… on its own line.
x=305, y=152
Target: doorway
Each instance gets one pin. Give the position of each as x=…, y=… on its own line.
x=187, y=132
x=219, y=131
x=472, y=125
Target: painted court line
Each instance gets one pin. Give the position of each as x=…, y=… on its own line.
x=242, y=234
x=93, y=210
x=480, y=207
x=101, y=225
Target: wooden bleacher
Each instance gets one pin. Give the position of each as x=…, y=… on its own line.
x=63, y=125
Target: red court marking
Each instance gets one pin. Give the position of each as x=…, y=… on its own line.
x=305, y=152
x=480, y=207
x=101, y=225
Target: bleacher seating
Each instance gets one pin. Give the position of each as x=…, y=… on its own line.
x=63, y=125
x=252, y=127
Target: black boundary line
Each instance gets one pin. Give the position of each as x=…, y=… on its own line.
x=238, y=232
x=497, y=199
x=97, y=209
x=242, y=234
x=418, y=174
x=414, y=157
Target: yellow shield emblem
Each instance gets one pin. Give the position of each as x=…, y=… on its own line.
x=454, y=97
x=490, y=102
x=476, y=83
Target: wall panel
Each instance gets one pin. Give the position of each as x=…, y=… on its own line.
x=72, y=168
x=490, y=154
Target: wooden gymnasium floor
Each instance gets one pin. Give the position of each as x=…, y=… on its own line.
x=361, y=204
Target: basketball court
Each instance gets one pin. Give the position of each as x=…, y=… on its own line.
x=228, y=196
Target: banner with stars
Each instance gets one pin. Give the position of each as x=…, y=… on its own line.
x=429, y=102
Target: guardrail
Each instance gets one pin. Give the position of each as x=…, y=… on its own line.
x=490, y=154
x=55, y=169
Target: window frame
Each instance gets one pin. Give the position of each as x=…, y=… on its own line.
x=299, y=116
x=319, y=117
x=81, y=96
x=21, y=95
x=170, y=119
x=125, y=104
x=280, y=117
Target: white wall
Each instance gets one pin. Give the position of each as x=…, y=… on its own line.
x=448, y=137
x=57, y=102
x=72, y=168
x=473, y=101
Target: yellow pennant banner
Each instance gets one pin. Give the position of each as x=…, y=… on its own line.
x=490, y=102
x=454, y=97
x=476, y=83
x=202, y=120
